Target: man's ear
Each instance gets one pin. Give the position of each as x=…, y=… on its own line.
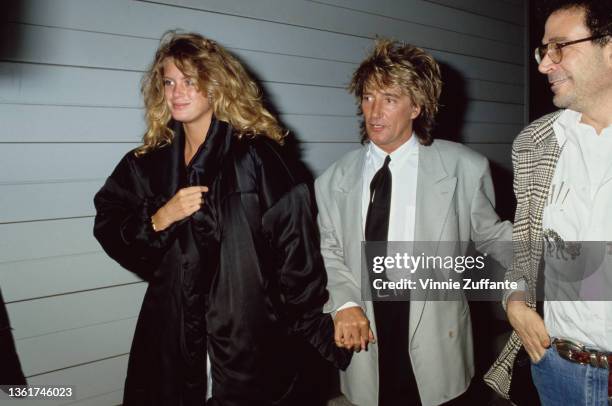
x=416, y=110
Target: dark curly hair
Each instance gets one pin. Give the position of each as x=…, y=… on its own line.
x=411, y=69
x=598, y=15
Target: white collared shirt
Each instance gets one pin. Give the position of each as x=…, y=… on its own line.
x=404, y=167
x=578, y=209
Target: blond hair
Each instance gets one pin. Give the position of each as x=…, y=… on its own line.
x=411, y=69
x=234, y=95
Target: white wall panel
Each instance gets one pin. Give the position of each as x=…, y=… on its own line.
x=87, y=52
x=484, y=69
x=54, y=45
x=150, y=20
x=347, y=21
x=498, y=9
x=321, y=156
x=36, y=163
x=27, y=172
x=98, y=383
x=73, y=347
x=435, y=15
x=38, y=84
x=58, y=85
x=28, y=279
x=73, y=198
x=70, y=124
x=78, y=124
x=46, y=239
x=63, y=162
x=47, y=45
x=35, y=318
x=137, y=19
x=44, y=201
x=102, y=50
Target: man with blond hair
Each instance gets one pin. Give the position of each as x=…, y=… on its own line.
x=402, y=185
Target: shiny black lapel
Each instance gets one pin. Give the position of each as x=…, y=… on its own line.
x=168, y=162
x=166, y=165
x=206, y=163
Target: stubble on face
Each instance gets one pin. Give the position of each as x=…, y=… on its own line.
x=580, y=76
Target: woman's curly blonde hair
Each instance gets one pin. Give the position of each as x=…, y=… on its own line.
x=411, y=69
x=234, y=95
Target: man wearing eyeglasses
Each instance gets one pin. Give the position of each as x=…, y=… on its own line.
x=563, y=185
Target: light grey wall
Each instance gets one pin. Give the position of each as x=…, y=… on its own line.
x=70, y=108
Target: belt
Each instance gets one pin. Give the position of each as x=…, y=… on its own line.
x=578, y=353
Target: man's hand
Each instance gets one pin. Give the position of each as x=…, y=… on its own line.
x=529, y=326
x=352, y=329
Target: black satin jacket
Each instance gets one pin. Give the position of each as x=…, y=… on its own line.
x=242, y=278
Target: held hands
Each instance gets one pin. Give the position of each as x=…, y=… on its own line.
x=352, y=329
x=529, y=326
x=183, y=204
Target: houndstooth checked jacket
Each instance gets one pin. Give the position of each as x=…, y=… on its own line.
x=535, y=153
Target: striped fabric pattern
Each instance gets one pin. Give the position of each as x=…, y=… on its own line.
x=535, y=153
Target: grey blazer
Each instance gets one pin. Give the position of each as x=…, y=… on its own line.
x=455, y=202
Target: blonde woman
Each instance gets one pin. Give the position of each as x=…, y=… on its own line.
x=209, y=213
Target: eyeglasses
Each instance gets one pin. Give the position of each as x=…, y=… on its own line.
x=553, y=49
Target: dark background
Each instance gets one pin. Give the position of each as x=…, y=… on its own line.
x=540, y=96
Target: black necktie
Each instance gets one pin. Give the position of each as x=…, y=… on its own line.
x=397, y=384
x=377, y=219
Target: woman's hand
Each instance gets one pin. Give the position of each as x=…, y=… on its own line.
x=183, y=204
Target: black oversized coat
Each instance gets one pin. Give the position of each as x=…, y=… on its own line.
x=242, y=278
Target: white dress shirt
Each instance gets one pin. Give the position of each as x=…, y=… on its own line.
x=404, y=167
x=578, y=209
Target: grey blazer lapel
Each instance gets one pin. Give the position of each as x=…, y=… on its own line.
x=435, y=190
x=349, y=196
